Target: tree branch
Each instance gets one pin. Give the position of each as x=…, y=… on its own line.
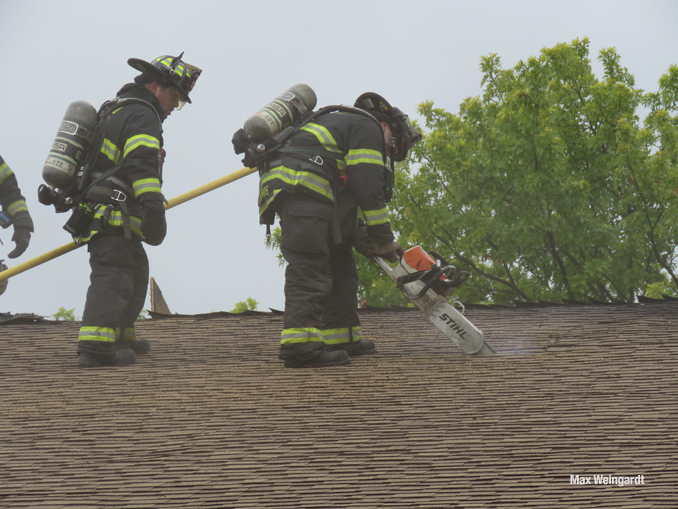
x=470, y=263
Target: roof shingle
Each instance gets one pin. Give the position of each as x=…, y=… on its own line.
x=210, y=418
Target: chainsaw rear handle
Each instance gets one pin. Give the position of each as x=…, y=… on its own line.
x=457, y=281
x=431, y=276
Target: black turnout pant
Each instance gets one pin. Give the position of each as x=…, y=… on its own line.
x=321, y=279
x=116, y=295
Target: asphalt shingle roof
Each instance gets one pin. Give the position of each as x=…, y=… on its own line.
x=211, y=419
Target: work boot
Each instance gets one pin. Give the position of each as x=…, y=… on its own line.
x=323, y=360
x=355, y=348
x=123, y=357
x=140, y=346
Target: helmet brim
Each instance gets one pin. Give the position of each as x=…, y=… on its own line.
x=371, y=101
x=147, y=67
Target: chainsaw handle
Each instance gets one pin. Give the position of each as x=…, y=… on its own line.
x=441, y=271
x=403, y=280
x=457, y=281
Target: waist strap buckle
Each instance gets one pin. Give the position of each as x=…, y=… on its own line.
x=118, y=195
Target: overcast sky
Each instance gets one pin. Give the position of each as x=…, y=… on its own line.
x=53, y=53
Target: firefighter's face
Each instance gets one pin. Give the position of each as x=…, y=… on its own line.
x=168, y=97
x=389, y=139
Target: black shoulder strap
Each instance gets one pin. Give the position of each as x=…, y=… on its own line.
x=119, y=102
x=89, y=187
x=104, y=112
x=332, y=109
x=257, y=153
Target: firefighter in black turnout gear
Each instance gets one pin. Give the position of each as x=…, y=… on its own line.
x=126, y=206
x=331, y=171
x=13, y=213
x=14, y=210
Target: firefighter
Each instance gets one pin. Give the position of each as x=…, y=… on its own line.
x=127, y=208
x=329, y=171
x=14, y=210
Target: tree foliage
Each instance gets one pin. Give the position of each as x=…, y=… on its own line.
x=548, y=186
x=375, y=288
x=245, y=305
x=65, y=315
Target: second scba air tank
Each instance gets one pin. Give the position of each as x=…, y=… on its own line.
x=281, y=112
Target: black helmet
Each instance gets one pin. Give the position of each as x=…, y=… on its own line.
x=401, y=126
x=170, y=71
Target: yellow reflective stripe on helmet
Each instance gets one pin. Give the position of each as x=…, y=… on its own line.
x=109, y=149
x=303, y=335
x=167, y=62
x=342, y=335
x=140, y=140
x=302, y=178
x=323, y=135
x=364, y=156
x=142, y=186
x=89, y=333
x=5, y=172
x=17, y=206
x=374, y=217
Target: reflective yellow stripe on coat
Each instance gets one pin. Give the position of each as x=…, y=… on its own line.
x=302, y=178
x=374, y=217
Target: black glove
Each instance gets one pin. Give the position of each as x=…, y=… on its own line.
x=154, y=226
x=361, y=241
x=389, y=251
x=22, y=237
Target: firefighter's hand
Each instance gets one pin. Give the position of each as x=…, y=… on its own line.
x=361, y=241
x=22, y=237
x=154, y=226
x=389, y=251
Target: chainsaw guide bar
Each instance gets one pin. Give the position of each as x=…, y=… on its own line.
x=426, y=282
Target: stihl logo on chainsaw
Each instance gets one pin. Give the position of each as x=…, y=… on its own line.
x=453, y=325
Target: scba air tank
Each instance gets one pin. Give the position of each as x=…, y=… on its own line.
x=281, y=112
x=70, y=144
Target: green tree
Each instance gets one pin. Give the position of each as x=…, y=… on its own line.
x=249, y=304
x=375, y=288
x=66, y=315
x=548, y=186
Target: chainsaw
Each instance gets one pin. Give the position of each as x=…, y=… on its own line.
x=425, y=279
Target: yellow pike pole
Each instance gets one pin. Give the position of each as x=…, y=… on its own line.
x=178, y=200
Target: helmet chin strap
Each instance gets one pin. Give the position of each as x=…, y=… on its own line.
x=393, y=144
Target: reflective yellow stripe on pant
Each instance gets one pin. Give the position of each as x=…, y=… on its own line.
x=127, y=334
x=91, y=333
x=301, y=335
x=342, y=335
